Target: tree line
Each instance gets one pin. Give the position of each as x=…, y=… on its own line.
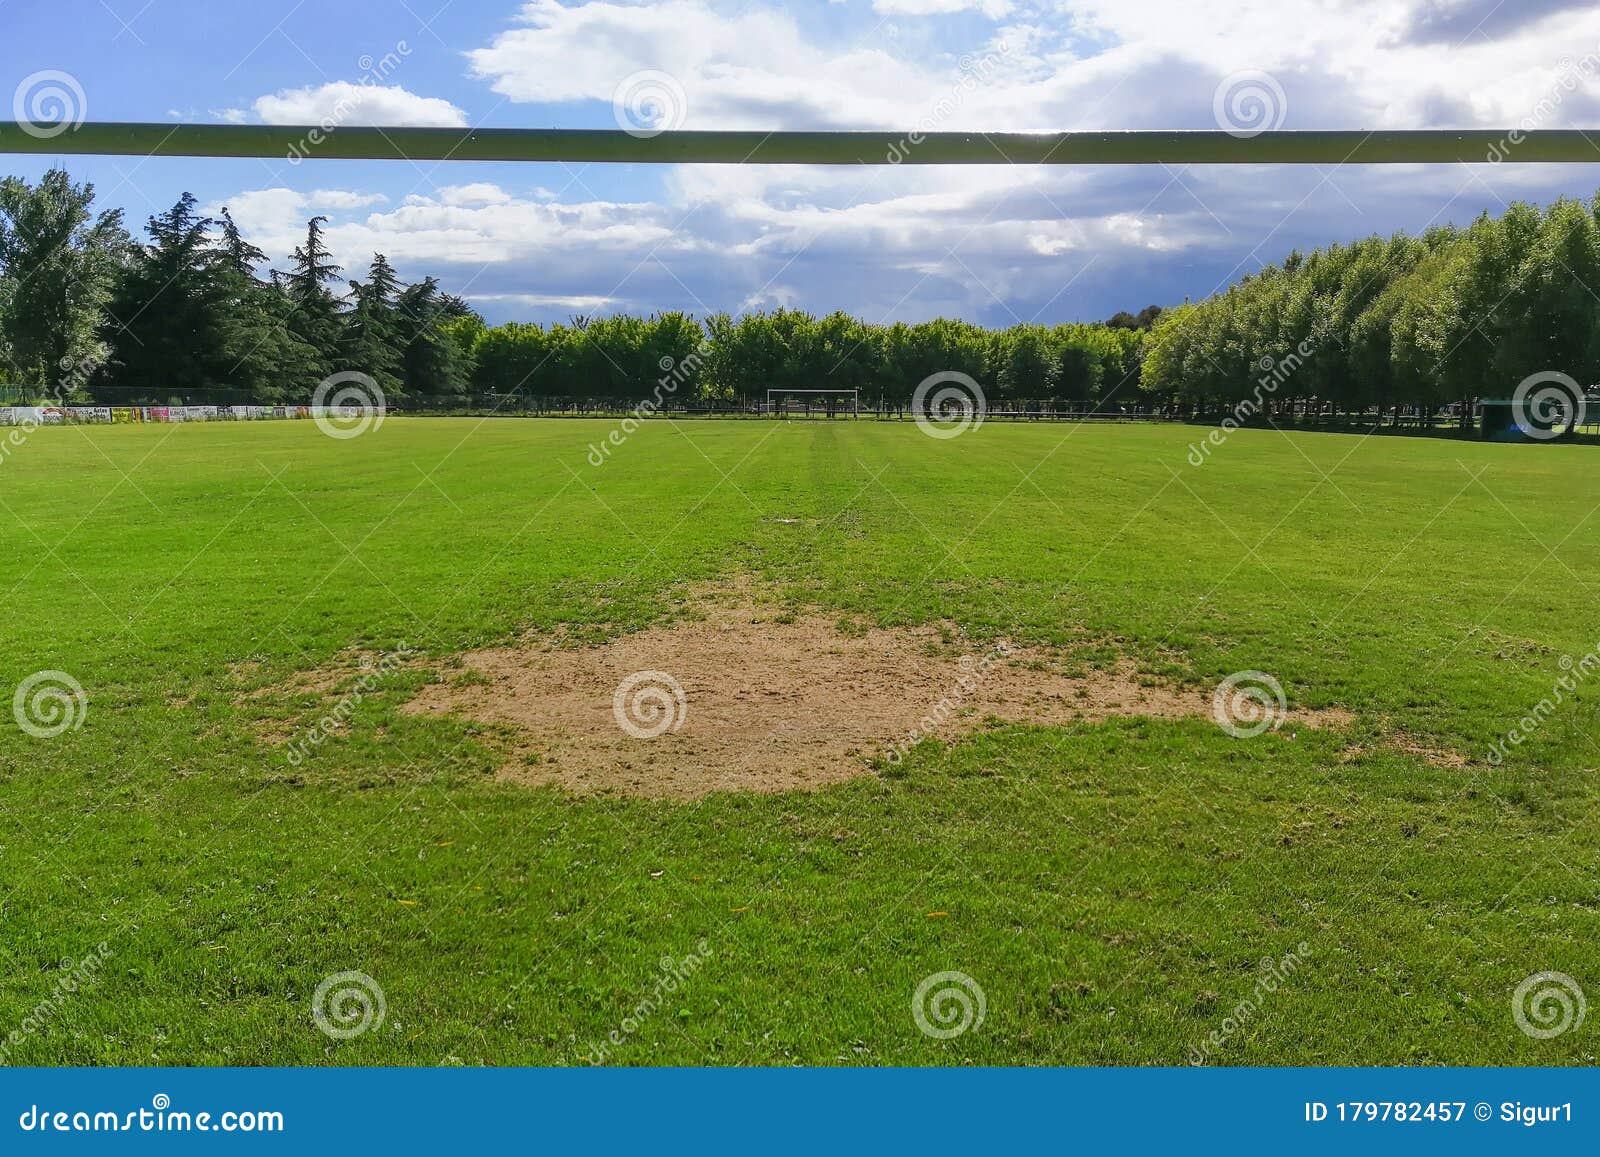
x=729, y=359
x=1402, y=323
x=90, y=313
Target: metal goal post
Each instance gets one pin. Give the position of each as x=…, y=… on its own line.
x=737, y=147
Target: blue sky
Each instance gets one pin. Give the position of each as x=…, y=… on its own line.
x=996, y=244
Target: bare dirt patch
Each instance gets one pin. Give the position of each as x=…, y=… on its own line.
x=1438, y=756
x=769, y=702
x=351, y=664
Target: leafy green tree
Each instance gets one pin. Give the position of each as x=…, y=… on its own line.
x=58, y=269
x=1079, y=372
x=1029, y=363
x=672, y=358
x=514, y=359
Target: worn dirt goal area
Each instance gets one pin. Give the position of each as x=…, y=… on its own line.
x=747, y=698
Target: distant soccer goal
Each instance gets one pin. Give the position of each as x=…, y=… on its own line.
x=804, y=402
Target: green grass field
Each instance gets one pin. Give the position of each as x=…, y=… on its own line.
x=1111, y=887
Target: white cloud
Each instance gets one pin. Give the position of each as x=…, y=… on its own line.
x=756, y=69
x=481, y=193
x=994, y=9
x=275, y=219
x=342, y=103
x=433, y=230
x=911, y=242
x=547, y=301
x=343, y=199
x=1088, y=63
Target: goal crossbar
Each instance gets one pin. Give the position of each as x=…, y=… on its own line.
x=719, y=147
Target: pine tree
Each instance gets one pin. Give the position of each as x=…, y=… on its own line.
x=171, y=316
x=371, y=341
x=268, y=361
x=316, y=319
x=433, y=365
x=239, y=256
